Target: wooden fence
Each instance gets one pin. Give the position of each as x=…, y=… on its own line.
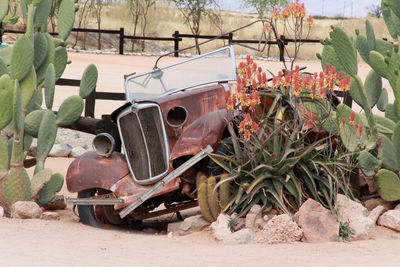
x=177, y=37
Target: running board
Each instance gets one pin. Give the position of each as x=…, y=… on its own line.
x=158, y=186
x=94, y=201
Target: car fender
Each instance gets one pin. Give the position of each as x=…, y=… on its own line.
x=94, y=171
x=206, y=130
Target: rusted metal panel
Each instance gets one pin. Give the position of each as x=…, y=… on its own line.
x=207, y=130
x=127, y=189
x=93, y=171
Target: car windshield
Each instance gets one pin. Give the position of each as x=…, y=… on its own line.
x=216, y=66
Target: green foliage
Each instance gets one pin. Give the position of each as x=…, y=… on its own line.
x=34, y=64
x=379, y=157
x=282, y=164
x=346, y=233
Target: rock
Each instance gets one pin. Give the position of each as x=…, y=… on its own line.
x=1, y=212
x=253, y=217
x=360, y=219
x=390, y=219
x=174, y=227
x=50, y=216
x=60, y=150
x=220, y=228
x=58, y=203
x=372, y=203
x=189, y=225
x=243, y=236
x=397, y=207
x=269, y=215
x=318, y=223
x=280, y=229
x=25, y=210
x=77, y=152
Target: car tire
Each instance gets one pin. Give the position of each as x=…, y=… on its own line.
x=86, y=212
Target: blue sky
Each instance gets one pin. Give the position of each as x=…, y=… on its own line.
x=357, y=8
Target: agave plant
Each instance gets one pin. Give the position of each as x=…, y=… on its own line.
x=278, y=157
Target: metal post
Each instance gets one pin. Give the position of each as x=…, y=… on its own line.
x=281, y=45
x=176, y=43
x=121, y=40
x=230, y=38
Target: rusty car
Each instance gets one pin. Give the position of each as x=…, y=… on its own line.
x=173, y=117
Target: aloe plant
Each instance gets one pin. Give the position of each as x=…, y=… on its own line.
x=379, y=155
x=29, y=71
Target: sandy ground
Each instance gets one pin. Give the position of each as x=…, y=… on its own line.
x=70, y=243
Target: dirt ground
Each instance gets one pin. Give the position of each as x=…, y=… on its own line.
x=70, y=243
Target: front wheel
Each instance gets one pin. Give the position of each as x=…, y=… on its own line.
x=95, y=215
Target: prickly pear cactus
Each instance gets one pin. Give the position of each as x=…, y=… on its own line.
x=379, y=152
x=28, y=73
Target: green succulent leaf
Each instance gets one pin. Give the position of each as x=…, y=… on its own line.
x=88, y=81
x=4, y=158
x=387, y=154
x=17, y=109
x=70, y=110
x=387, y=15
x=32, y=122
x=38, y=181
x=383, y=100
x=46, y=135
x=6, y=100
x=66, y=18
x=41, y=72
x=345, y=51
x=60, y=61
x=329, y=57
x=40, y=48
x=49, y=86
x=21, y=58
x=373, y=87
x=3, y=67
x=50, y=189
x=362, y=47
x=377, y=62
x=368, y=163
x=28, y=86
x=370, y=35
x=388, y=185
x=42, y=13
x=383, y=47
x=396, y=143
x=17, y=186
x=395, y=6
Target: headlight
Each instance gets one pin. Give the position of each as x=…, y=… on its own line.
x=104, y=144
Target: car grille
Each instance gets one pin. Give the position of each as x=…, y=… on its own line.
x=144, y=140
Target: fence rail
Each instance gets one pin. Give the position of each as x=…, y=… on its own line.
x=177, y=37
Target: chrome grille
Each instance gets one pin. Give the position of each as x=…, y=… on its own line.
x=145, y=143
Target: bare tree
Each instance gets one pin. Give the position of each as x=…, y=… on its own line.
x=82, y=19
x=135, y=10
x=97, y=6
x=375, y=10
x=147, y=4
x=194, y=10
x=53, y=14
x=264, y=7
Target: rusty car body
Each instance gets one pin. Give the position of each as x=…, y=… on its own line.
x=173, y=117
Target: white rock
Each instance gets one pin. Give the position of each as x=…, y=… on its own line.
x=390, y=219
x=360, y=219
x=60, y=150
x=397, y=207
x=77, y=152
x=1, y=212
x=220, y=228
x=243, y=236
x=25, y=210
x=280, y=229
x=253, y=217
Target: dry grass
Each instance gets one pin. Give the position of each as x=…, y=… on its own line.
x=163, y=21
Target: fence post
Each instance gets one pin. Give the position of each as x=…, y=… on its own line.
x=121, y=40
x=176, y=43
x=230, y=38
x=90, y=103
x=281, y=45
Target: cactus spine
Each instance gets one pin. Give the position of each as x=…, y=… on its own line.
x=31, y=67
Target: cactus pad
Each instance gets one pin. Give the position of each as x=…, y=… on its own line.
x=49, y=86
x=388, y=185
x=50, y=189
x=6, y=99
x=89, y=80
x=70, y=110
x=66, y=18
x=38, y=181
x=21, y=58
